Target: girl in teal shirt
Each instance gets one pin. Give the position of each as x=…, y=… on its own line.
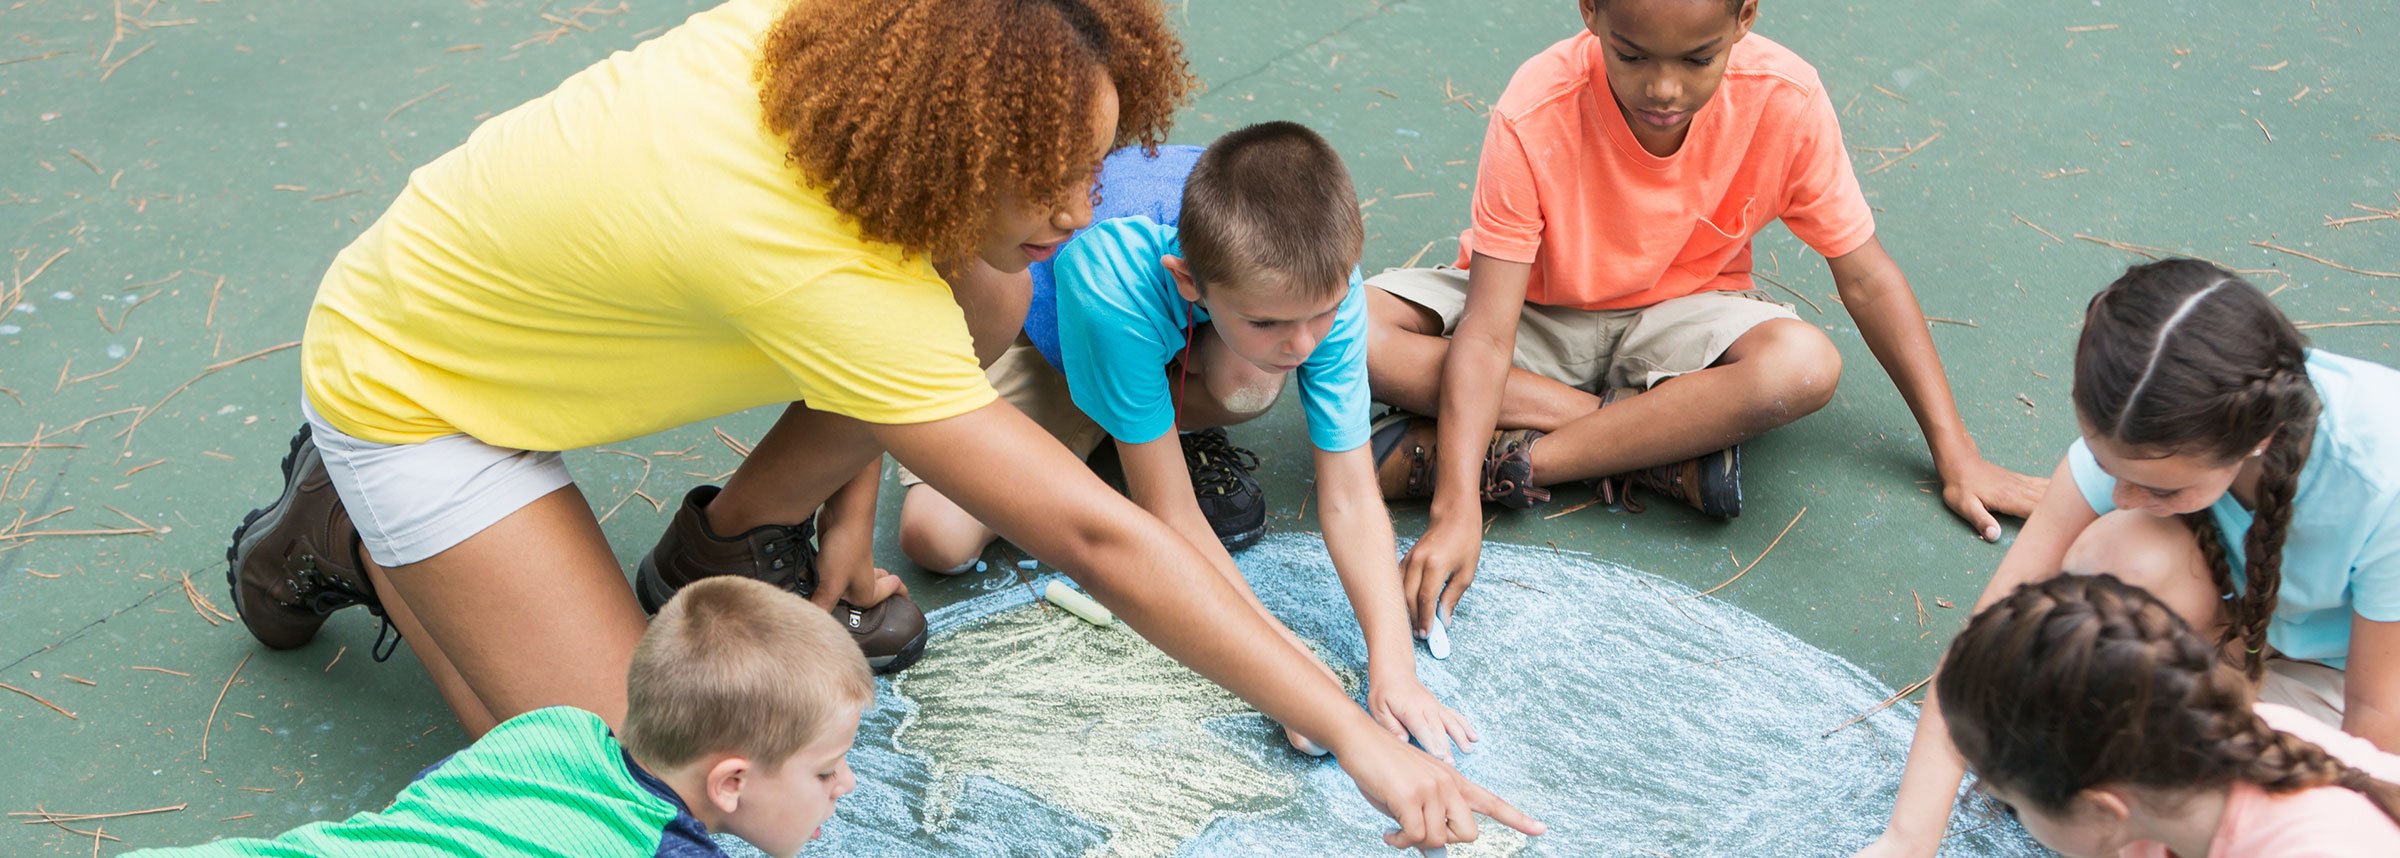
x=2250, y=482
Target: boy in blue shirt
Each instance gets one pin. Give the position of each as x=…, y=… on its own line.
x=1164, y=334
x=742, y=703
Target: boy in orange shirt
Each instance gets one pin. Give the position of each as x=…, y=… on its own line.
x=1623, y=174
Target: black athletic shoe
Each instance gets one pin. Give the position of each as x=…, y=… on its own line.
x=1229, y=496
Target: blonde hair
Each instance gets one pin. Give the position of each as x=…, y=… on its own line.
x=738, y=666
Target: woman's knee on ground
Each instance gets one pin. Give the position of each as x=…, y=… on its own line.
x=2156, y=554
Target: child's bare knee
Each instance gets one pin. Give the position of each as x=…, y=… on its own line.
x=1244, y=392
x=935, y=542
x=2146, y=551
x=1795, y=372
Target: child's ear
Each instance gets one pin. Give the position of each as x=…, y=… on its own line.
x=726, y=781
x=1743, y=19
x=2102, y=808
x=1182, y=272
x=1591, y=15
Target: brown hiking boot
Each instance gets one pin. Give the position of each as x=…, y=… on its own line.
x=1710, y=483
x=891, y=634
x=296, y=562
x=1403, y=445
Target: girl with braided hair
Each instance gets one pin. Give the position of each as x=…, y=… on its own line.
x=2088, y=706
x=2250, y=482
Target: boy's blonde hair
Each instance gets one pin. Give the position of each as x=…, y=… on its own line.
x=738, y=666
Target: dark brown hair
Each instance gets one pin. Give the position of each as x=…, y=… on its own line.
x=1271, y=201
x=914, y=116
x=2082, y=681
x=735, y=665
x=2183, y=357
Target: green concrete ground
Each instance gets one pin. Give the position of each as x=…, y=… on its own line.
x=176, y=174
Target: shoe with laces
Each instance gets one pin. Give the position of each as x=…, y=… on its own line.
x=295, y=562
x=1710, y=483
x=1404, y=447
x=1230, y=497
x=890, y=633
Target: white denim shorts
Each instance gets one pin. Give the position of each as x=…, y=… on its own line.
x=413, y=501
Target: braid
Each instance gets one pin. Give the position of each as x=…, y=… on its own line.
x=2280, y=762
x=2285, y=397
x=2211, y=540
x=2081, y=681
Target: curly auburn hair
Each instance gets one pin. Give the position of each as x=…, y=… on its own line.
x=914, y=116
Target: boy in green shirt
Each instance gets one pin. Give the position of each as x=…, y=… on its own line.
x=741, y=705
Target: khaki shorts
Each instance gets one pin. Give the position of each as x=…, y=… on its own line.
x=2311, y=687
x=1594, y=349
x=1029, y=382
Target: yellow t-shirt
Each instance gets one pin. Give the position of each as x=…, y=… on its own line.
x=625, y=254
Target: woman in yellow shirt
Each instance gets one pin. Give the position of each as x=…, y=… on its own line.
x=776, y=202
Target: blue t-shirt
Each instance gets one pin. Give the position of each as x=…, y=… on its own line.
x=1120, y=320
x=1132, y=184
x=2341, y=554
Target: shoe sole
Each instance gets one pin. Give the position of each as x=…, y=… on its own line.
x=899, y=661
x=1240, y=541
x=241, y=532
x=651, y=589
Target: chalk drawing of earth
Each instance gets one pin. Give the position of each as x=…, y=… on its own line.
x=1634, y=719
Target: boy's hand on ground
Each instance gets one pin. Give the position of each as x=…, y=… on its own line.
x=1432, y=803
x=1437, y=570
x=1407, y=709
x=1978, y=490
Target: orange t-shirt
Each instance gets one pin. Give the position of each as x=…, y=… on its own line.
x=1606, y=225
x=2325, y=822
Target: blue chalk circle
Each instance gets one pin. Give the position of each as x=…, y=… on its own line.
x=1632, y=725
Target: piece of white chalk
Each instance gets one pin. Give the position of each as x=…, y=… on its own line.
x=1436, y=851
x=1029, y=565
x=1437, y=638
x=1078, y=604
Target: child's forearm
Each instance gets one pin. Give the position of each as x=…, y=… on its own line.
x=1358, y=536
x=2371, y=691
x=1889, y=319
x=1928, y=784
x=1474, y=375
x=846, y=535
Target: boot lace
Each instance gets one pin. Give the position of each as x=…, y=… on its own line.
x=1214, y=460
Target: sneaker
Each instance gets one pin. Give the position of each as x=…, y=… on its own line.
x=891, y=633
x=293, y=564
x=1711, y=483
x=1404, y=447
x=1230, y=498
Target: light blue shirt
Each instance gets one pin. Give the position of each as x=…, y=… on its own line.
x=1120, y=321
x=2341, y=554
